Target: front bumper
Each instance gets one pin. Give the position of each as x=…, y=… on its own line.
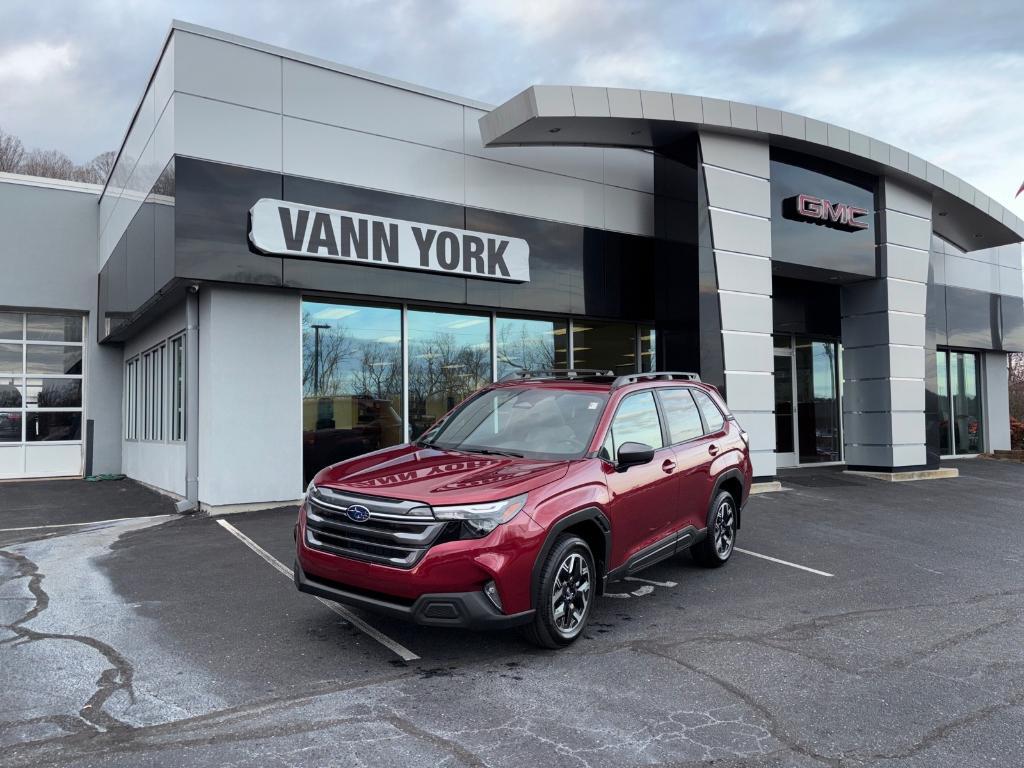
x=469, y=610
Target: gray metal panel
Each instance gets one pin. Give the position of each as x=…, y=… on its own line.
x=687, y=109
x=743, y=116
x=656, y=105
x=623, y=102
x=737, y=153
x=48, y=258
x=769, y=120
x=226, y=72
x=737, y=192
x=817, y=131
x=590, y=102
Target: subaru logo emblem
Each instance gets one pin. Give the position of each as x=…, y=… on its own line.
x=357, y=513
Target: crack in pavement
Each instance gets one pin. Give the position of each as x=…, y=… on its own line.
x=117, y=677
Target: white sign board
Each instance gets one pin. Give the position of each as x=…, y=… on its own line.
x=306, y=231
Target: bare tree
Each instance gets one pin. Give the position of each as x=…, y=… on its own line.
x=1016, y=383
x=97, y=169
x=51, y=163
x=11, y=152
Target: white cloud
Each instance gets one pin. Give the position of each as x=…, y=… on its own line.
x=35, y=62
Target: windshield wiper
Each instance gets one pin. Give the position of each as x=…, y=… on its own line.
x=494, y=452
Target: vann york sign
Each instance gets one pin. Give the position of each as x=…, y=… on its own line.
x=290, y=229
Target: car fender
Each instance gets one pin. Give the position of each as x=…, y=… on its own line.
x=563, y=523
x=733, y=472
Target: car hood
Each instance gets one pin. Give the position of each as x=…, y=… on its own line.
x=439, y=477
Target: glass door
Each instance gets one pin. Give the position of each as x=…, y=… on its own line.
x=785, y=400
x=817, y=396
x=963, y=414
x=808, y=425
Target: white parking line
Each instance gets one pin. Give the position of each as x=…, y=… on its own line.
x=73, y=525
x=397, y=648
x=784, y=562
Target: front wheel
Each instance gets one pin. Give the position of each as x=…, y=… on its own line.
x=565, y=594
x=718, y=544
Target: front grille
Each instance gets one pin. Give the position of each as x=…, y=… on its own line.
x=397, y=533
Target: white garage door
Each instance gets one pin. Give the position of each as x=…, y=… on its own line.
x=41, y=419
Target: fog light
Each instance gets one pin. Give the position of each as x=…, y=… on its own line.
x=491, y=590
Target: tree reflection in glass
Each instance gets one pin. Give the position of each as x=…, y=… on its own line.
x=351, y=382
x=449, y=359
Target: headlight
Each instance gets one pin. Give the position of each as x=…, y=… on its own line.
x=309, y=489
x=483, y=518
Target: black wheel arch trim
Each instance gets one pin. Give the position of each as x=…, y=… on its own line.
x=728, y=474
x=588, y=514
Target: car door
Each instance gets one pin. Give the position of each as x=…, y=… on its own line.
x=642, y=497
x=690, y=445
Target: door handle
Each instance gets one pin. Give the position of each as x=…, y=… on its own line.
x=668, y=466
x=713, y=449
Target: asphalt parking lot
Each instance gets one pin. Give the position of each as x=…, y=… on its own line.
x=152, y=639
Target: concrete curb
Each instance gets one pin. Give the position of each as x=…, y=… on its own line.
x=903, y=477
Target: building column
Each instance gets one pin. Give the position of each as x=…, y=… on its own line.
x=735, y=248
x=883, y=330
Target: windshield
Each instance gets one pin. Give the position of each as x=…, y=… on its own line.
x=537, y=423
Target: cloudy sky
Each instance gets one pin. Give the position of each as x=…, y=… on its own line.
x=943, y=79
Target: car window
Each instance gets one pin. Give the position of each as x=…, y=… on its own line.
x=636, y=421
x=714, y=418
x=534, y=422
x=681, y=414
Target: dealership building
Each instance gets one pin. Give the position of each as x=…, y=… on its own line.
x=294, y=262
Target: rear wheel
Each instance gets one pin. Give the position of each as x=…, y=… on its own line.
x=718, y=544
x=565, y=594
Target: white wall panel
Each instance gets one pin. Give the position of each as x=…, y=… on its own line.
x=743, y=234
x=12, y=461
x=909, y=231
x=735, y=152
x=324, y=96
x=747, y=351
x=764, y=463
x=750, y=391
x=746, y=312
x=375, y=162
x=996, y=401
x=739, y=272
x=509, y=188
x=225, y=133
x=904, y=263
x=43, y=460
x=737, y=192
x=760, y=427
x=226, y=72
x=250, y=425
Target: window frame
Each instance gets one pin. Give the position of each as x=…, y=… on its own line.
x=618, y=406
x=23, y=376
x=708, y=432
x=177, y=371
x=700, y=414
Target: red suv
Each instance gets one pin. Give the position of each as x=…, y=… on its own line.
x=522, y=503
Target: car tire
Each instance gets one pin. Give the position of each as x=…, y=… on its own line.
x=565, y=594
x=718, y=545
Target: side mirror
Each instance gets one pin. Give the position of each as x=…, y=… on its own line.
x=632, y=454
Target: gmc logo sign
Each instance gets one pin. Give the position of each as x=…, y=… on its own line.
x=817, y=210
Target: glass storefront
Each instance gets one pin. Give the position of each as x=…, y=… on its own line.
x=961, y=428
x=351, y=382
x=449, y=359
x=530, y=344
x=354, y=363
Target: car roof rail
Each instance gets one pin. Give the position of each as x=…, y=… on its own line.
x=633, y=378
x=558, y=373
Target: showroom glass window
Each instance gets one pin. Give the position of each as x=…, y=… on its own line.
x=40, y=378
x=530, y=344
x=449, y=359
x=961, y=426
x=614, y=346
x=351, y=382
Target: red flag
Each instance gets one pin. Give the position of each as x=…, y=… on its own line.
x=1019, y=191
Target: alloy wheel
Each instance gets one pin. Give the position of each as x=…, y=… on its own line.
x=725, y=529
x=570, y=594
